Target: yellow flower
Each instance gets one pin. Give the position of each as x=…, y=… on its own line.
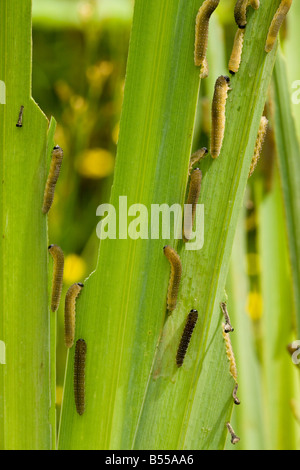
x=75, y=269
x=59, y=394
x=96, y=163
x=254, y=305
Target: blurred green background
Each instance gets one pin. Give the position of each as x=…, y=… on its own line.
x=79, y=63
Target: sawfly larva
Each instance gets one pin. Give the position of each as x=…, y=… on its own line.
x=79, y=376
x=240, y=11
x=176, y=271
x=56, y=160
x=229, y=353
x=193, y=196
x=254, y=4
x=263, y=126
x=70, y=313
x=186, y=337
x=201, y=34
x=58, y=272
x=218, y=114
x=236, y=55
x=276, y=23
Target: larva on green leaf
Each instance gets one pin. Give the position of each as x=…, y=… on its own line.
x=56, y=160
x=236, y=55
x=201, y=33
x=218, y=114
x=232, y=363
x=276, y=24
x=263, y=127
x=255, y=4
x=230, y=355
x=79, y=375
x=193, y=196
x=176, y=271
x=186, y=337
x=234, y=438
x=204, y=69
x=20, y=119
x=195, y=157
x=240, y=11
x=58, y=271
x=70, y=313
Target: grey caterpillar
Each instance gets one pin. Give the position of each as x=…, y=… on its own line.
x=79, y=375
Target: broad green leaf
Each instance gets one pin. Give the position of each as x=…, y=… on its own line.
x=278, y=371
x=291, y=45
x=135, y=397
x=26, y=380
x=248, y=417
x=289, y=166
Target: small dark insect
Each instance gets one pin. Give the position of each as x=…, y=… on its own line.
x=58, y=271
x=193, y=196
x=176, y=271
x=20, y=120
x=234, y=438
x=70, y=313
x=79, y=375
x=276, y=24
x=186, y=337
x=227, y=327
x=56, y=160
x=234, y=395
